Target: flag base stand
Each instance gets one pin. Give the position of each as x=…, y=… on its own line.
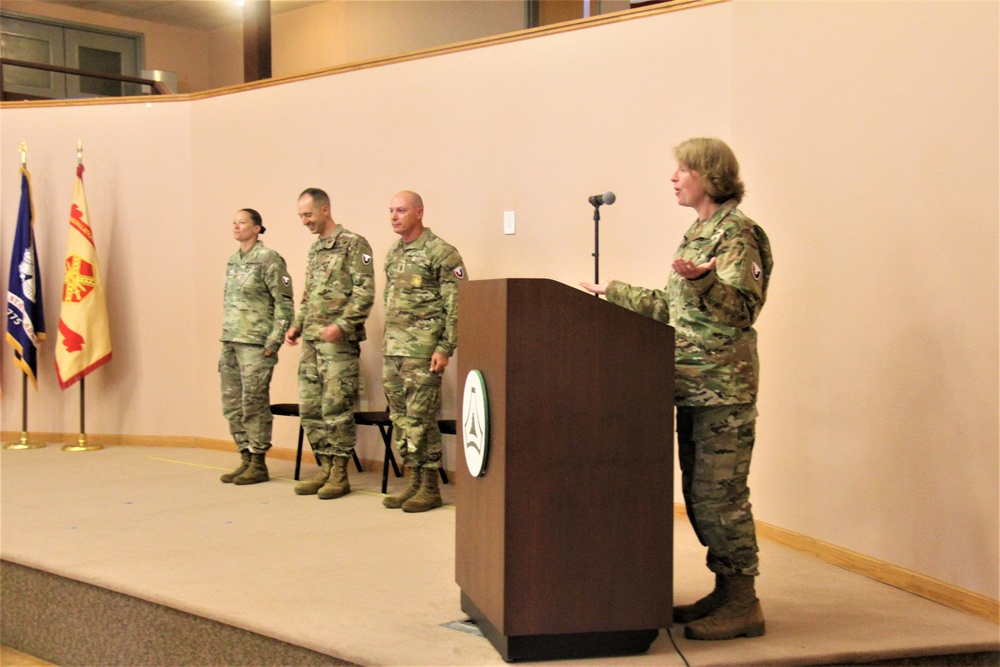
x=82, y=445
x=24, y=443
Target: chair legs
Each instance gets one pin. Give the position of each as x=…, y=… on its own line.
x=390, y=458
x=385, y=429
x=298, y=457
x=386, y=432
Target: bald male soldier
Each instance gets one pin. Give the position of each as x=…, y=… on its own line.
x=421, y=332
x=339, y=292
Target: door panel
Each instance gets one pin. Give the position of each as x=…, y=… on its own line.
x=99, y=52
x=37, y=43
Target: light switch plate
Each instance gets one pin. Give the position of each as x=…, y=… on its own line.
x=508, y=222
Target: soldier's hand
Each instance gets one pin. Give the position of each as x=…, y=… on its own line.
x=438, y=362
x=685, y=268
x=292, y=336
x=268, y=353
x=596, y=289
x=331, y=333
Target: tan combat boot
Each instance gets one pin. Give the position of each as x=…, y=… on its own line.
x=428, y=497
x=310, y=487
x=687, y=613
x=395, y=502
x=739, y=616
x=244, y=464
x=337, y=484
x=255, y=473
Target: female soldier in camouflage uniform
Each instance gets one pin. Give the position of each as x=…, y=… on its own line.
x=714, y=295
x=257, y=309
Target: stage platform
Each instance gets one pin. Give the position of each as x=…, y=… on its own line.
x=140, y=556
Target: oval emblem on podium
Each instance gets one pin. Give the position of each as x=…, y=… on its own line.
x=475, y=423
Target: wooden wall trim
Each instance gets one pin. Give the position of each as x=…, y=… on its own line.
x=166, y=441
x=887, y=573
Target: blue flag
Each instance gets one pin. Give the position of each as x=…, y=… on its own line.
x=25, y=318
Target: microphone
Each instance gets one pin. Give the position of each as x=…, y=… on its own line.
x=607, y=198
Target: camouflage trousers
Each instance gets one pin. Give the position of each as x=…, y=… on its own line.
x=246, y=382
x=714, y=448
x=414, y=395
x=328, y=388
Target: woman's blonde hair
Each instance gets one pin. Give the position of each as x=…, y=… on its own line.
x=717, y=166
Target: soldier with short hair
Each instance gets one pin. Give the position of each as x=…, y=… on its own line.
x=257, y=308
x=338, y=296
x=712, y=299
x=421, y=332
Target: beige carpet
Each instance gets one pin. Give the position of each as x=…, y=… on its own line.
x=350, y=579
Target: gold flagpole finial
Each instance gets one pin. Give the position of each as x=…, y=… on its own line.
x=79, y=151
x=24, y=153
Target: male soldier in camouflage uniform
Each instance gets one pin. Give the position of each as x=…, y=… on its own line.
x=339, y=292
x=714, y=295
x=421, y=332
x=257, y=308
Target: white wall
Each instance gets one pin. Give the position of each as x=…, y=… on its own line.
x=869, y=135
x=139, y=200
x=335, y=33
x=867, y=132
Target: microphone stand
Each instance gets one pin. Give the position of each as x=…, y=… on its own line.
x=597, y=243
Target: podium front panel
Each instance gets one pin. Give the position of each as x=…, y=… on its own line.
x=570, y=529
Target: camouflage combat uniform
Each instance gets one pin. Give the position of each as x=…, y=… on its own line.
x=716, y=377
x=340, y=289
x=421, y=318
x=257, y=309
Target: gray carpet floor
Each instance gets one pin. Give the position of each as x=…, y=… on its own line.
x=350, y=579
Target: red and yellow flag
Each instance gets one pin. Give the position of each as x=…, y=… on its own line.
x=84, y=340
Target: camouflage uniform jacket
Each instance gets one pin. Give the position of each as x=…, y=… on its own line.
x=421, y=297
x=716, y=355
x=340, y=286
x=257, y=299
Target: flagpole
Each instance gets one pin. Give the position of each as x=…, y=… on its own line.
x=24, y=442
x=81, y=442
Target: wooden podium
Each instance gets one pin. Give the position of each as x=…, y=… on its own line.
x=564, y=544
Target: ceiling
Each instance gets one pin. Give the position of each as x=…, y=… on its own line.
x=196, y=14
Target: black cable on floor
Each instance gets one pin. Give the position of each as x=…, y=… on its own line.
x=671, y=635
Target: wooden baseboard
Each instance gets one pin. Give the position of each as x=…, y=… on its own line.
x=169, y=441
x=887, y=573
x=117, y=440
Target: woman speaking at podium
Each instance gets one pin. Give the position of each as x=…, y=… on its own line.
x=715, y=292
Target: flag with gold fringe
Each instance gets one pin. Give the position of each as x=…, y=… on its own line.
x=83, y=342
x=25, y=314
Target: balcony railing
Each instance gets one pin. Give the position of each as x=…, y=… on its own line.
x=156, y=87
